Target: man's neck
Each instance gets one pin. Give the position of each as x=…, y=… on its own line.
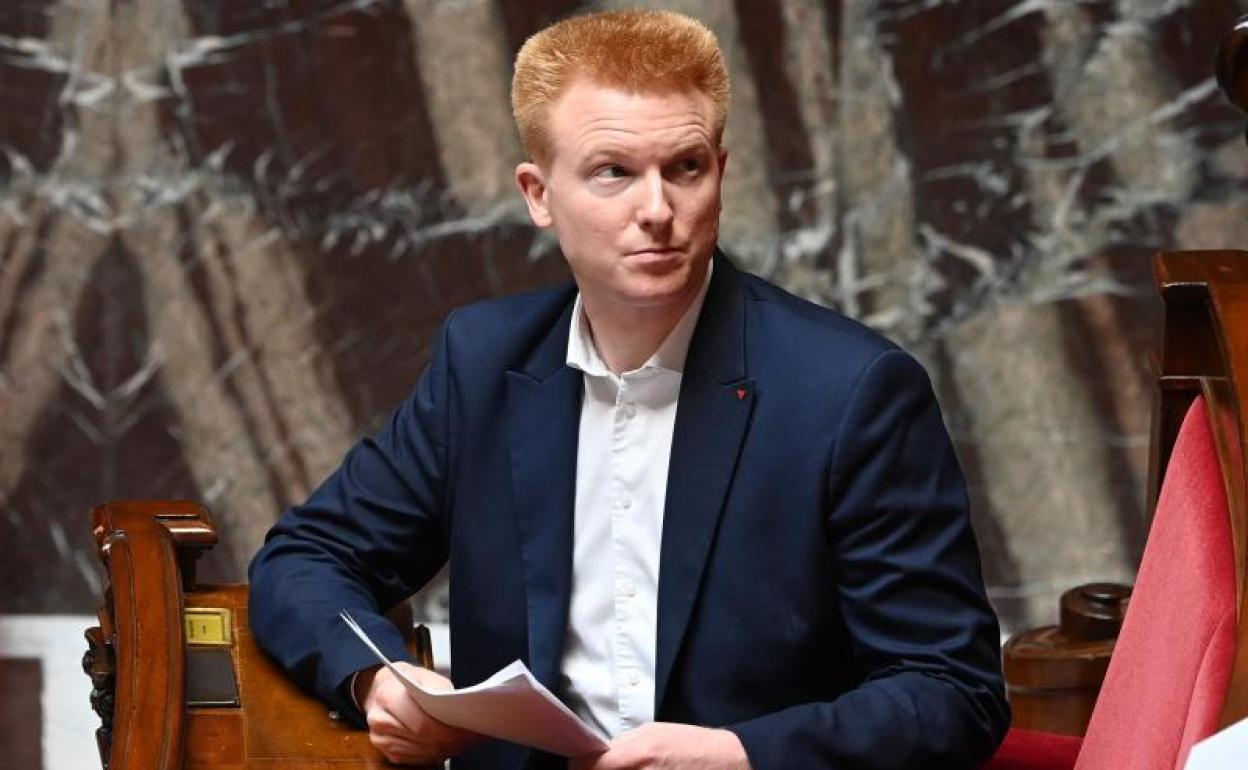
x=626, y=337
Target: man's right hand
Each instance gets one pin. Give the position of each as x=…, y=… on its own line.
x=397, y=726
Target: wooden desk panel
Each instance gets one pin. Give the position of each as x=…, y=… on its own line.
x=138, y=663
x=278, y=727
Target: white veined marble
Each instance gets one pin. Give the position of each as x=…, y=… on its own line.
x=68, y=722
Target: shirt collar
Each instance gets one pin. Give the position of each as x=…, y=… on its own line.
x=671, y=355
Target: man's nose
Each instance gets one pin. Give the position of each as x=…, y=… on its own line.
x=655, y=210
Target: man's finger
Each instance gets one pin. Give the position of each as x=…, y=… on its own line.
x=413, y=718
x=380, y=720
x=397, y=750
x=610, y=760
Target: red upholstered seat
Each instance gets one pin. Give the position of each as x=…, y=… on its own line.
x=1172, y=662
x=1032, y=750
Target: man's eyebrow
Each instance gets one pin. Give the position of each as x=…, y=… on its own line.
x=614, y=148
x=598, y=149
x=693, y=145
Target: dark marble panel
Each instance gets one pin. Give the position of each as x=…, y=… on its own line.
x=790, y=157
x=21, y=718
x=108, y=429
x=31, y=123
x=229, y=232
x=521, y=18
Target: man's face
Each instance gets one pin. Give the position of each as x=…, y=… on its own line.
x=632, y=192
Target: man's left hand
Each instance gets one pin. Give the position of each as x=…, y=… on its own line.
x=669, y=746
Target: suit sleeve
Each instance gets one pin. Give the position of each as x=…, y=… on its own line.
x=368, y=537
x=925, y=643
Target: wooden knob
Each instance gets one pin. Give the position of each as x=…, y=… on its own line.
x=1233, y=64
x=1094, y=611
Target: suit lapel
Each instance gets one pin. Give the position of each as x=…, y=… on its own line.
x=716, y=399
x=544, y=407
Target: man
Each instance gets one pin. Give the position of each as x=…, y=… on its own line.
x=725, y=525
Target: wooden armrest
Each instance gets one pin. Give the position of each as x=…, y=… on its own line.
x=136, y=657
x=137, y=661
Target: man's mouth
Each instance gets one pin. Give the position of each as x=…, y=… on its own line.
x=655, y=252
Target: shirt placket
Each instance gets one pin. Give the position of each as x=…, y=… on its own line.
x=626, y=480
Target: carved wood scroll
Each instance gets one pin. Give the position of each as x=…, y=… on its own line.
x=135, y=656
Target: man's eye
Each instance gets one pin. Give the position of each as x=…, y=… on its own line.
x=689, y=166
x=611, y=171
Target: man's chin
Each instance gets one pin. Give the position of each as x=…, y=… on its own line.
x=658, y=292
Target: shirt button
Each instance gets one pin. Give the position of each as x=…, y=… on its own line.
x=626, y=503
x=634, y=679
x=626, y=588
x=629, y=411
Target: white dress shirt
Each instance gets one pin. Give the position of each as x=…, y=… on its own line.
x=607, y=671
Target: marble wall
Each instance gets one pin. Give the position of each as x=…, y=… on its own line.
x=229, y=230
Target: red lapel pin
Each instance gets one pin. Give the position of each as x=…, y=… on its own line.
x=741, y=393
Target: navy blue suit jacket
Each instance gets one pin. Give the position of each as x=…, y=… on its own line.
x=819, y=587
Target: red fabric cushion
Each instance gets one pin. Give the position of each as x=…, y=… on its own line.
x=1171, y=663
x=1211, y=684
x=1031, y=750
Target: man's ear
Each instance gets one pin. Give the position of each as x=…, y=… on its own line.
x=532, y=183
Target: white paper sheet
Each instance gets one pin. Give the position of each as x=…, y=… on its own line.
x=1224, y=750
x=511, y=705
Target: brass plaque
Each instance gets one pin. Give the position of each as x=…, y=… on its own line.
x=208, y=625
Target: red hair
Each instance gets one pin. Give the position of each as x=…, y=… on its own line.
x=637, y=50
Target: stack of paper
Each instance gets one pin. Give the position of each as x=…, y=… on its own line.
x=1224, y=750
x=511, y=705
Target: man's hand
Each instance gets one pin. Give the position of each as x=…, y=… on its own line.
x=400, y=729
x=668, y=746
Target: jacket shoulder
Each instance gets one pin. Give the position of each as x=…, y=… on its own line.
x=504, y=330
x=817, y=334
